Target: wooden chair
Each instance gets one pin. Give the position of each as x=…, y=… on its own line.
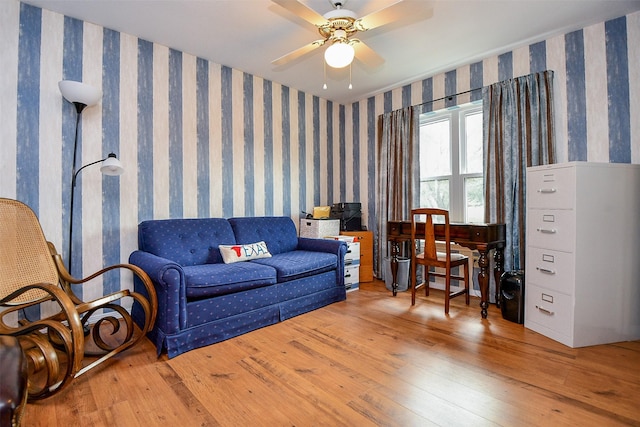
x=430, y=257
x=61, y=336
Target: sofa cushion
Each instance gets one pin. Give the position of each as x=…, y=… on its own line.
x=295, y=264
x=209, y=280
x=186, y=241
x=237, y=253
x=278, y=232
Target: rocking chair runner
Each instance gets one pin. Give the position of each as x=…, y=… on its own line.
x=32, y=274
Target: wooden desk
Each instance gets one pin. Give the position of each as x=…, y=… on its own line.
x=482, y=237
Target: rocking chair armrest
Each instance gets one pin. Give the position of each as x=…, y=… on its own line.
x=137, y=271
x=147, y=296
x=68, y=311
x=68, y=278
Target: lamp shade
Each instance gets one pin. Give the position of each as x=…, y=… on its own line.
x=339, y=54
x=79, y=92
x=111, y=165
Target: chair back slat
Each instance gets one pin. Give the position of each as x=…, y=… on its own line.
x=25, y=258
x=430, y=251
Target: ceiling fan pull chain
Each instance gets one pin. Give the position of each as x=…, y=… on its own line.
x=324, y=86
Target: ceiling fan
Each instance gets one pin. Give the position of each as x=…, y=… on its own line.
x=339, y=26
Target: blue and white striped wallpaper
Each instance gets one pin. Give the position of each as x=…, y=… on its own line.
x=199, y=139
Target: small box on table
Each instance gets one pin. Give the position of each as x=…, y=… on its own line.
x=319, y=228
x=348, y=239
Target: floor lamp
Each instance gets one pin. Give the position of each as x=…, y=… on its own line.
x=82, y=95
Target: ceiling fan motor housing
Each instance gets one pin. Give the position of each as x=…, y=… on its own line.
x=339, y=19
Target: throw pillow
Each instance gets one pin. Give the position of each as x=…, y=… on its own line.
x=236, y=253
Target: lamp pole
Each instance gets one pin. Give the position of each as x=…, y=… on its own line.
x=79, y=107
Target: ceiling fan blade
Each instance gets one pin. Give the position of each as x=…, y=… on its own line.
x=400, y=10
x=298, y=53
x=302, y=10
x=367, y=55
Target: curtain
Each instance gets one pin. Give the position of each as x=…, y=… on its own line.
x=398, y=187
x=518, y=132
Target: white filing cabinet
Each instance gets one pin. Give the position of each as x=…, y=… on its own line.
x=583, y=252
x=352, y=266
x=351, y=262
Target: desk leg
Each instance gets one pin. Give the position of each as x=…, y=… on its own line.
x=483, y=280
x=395, y=250
x=497, y=272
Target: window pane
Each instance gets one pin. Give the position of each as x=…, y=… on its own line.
x=434, y=193
x=473, y=139
x=435, y=158
x=474, y=199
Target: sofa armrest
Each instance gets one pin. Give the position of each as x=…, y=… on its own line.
x=322, y=245
x=337, y=247
x=155, y=266
x=169, y=280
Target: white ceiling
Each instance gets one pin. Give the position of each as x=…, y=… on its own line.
x=248, y=34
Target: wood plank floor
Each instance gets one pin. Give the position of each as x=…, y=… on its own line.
x=370, y=360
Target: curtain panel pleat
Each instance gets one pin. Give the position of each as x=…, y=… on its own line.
x=398, y=187
x=518, y=132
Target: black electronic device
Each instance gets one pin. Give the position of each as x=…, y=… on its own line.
x=349, y=214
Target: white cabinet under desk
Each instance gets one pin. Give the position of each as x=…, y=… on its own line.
x=582, y=267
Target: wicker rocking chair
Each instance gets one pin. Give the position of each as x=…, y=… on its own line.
x=61, y=335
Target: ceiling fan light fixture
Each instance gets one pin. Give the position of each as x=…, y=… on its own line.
x=339, y=54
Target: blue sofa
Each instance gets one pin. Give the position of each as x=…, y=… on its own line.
x=203, y=300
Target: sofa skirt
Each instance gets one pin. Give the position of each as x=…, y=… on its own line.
x=221, y=318
x=220, y=330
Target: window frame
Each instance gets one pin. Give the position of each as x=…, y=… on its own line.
x=457, y=152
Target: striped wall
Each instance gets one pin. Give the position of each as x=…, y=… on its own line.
x=597, y=103
x=196, y=138
x=200, y=139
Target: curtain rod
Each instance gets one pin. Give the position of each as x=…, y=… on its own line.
x=449, y=97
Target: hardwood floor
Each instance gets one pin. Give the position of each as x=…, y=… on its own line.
x=370, y=360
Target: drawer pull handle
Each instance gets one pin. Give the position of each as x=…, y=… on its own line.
x=545, y=311
x=546, y=190
x=545, y=270
x=547, y=230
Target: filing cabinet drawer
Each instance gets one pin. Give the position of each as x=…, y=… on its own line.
x=553, y=229
x=351, y=277
x=353, y=253
x=551, y=188
x=551, y=310
x=552, y=269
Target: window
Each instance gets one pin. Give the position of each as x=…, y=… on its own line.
x=451, y=172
